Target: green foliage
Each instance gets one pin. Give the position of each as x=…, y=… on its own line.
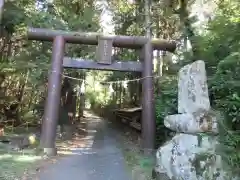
x=24, y=65
x=10, y=21
x=226, y=86
x=219, y=47
x=225, y=89
x=222, y=50
x=221, y=36
x=166, y=104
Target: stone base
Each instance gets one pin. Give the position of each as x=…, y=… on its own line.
x=50, y=151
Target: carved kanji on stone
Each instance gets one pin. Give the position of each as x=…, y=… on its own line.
x=193, y=102
x=192, y=88
x=104, y=50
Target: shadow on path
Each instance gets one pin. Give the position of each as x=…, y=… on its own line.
x=92, y=156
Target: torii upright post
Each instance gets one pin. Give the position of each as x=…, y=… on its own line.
x=51, y=110
x=148, y=115
x=148, y=134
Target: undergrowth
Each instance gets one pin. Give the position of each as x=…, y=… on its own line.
x=17, y=164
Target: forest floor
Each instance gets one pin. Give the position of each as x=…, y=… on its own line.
x=99, y=150
x=16, y=163
x=138, y=164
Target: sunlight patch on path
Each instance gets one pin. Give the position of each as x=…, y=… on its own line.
x=81, y=144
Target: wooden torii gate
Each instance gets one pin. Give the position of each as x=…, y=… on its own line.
x=60, y=38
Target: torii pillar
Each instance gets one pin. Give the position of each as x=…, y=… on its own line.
x=51, y=110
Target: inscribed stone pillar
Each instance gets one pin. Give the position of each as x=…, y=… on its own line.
x=192, y=88
x=190, y=156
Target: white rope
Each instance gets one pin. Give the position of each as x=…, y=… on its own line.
x=112, y=82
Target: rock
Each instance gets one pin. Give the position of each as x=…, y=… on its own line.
x=192, y=123
x=189, y=156
x=21, y=142
x=192, y=88
x=1, y=130
x=178, y=157
x=174, y=154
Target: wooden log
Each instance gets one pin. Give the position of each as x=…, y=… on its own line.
x=135, y=109
x=79, y=63
x=131, y=42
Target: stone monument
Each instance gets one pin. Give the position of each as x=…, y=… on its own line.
x=190, y=156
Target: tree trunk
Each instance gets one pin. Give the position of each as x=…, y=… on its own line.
x=120, y=96
x=188, y=29
x=159, y=60
x=21, y=91
x=82, y=97
x=31, y=98
x=1, y=9
x=20, y=96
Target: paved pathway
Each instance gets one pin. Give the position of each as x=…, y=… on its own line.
x=99, y=158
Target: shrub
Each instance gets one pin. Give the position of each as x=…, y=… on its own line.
x=225, y=91
x=166, y=104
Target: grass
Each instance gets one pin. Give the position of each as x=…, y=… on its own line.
x=139, y=165
x=15, y=165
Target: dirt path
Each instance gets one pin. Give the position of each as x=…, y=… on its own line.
x=94, y=156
